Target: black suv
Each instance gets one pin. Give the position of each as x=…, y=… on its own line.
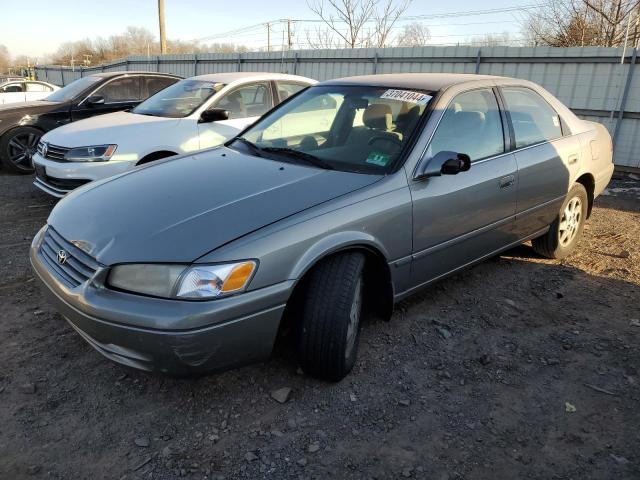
x=22, y=124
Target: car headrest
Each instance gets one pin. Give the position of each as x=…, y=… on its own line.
x=407, y=120
x=377, y=116
x=466, y=119
x=283, y=94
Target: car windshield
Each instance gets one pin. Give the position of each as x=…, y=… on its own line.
x=179, y=100
x=73, y=89
x=352, y=128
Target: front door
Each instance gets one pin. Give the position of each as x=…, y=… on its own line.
x=12, y=93
x=245, y=105
x=458, y=219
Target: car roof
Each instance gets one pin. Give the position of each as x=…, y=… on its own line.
x=115, y=74
x=230, y=77
x=421, y=81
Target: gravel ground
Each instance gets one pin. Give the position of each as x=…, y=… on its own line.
x=520, y=367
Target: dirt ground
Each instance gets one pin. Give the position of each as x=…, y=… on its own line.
x=519, y=368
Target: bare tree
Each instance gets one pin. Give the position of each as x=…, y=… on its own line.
x=133, y=41
x=344, y=22
x=576, y=23
x=492, y=40
x=414, y=34
x=5, y=59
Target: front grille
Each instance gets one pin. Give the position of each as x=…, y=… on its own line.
x=54, y=152
x=65, y=183
x=78, y=267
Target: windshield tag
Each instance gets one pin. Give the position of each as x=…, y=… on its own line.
x=407, y=96
x=379, y=159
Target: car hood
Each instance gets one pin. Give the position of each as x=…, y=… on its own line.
x=109, y=128
x=28, y=107
x=179, y=209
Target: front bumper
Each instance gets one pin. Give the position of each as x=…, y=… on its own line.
x=169, y=336
x=59, y=178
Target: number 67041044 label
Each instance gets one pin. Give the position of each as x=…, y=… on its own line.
x=407, y=96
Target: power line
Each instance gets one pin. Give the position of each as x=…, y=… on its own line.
x=463, y=13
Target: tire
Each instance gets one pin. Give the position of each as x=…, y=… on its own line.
x=17, y=147
x=329, y=331
x=565, y=231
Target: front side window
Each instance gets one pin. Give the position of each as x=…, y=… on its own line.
x=533, y=119
x=14, y=88
x=37, y=87
x=247, y=101
x=352, y=128
x=471, y=124
x=179, y=100
x=125, y=89
x=74, y=89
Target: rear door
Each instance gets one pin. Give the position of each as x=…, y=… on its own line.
x=547, y=156
x=37, y=91
x=121, y=93
x=245, y=105
x=458, y=219
x=12, y=93
x=153, y=84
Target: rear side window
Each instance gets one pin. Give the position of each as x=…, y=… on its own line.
x=471, y=125
x=125, y=89
x=152, y=85
x=37, y=87
x=287, y=89
x=533, y=119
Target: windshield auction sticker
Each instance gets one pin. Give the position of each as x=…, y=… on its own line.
x=406, y=96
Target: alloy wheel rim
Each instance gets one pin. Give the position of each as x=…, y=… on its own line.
x=354, y=319
x=570, y=221
x=22, y=147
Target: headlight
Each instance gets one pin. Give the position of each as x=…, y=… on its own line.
x=96, y=153
x=183, y=281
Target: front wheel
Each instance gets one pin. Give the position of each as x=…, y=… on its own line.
x=17, y=148
x=331, y=312
x=565, y=231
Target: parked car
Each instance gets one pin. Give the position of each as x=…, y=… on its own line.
x=195, y=263
x=25, y=91
x=193, y=114
x=22, y=124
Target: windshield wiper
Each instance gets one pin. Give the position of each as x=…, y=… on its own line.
x=298, y=155
x=252, y=146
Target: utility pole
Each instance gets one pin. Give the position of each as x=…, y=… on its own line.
x=268, y=37
x=163, y=35
x=289, y=33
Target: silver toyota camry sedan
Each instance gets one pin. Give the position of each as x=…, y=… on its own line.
x=348, y=197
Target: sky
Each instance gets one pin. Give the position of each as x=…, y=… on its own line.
x=38, y=27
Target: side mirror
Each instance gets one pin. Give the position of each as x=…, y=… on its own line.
x=443, y=163
x=95, y=100
x=214, y=115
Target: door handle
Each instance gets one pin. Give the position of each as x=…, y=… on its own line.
x=573, y=158
x=506, y=182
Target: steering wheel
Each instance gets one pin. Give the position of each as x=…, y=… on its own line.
x=389, y=139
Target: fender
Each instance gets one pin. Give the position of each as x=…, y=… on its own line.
x=334, y=243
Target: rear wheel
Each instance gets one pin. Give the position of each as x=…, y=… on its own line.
x=17, y=148
x=565, y=232
x=331, y=313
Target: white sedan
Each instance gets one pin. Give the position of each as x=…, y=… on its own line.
x=193, y=114
x=16, y=91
